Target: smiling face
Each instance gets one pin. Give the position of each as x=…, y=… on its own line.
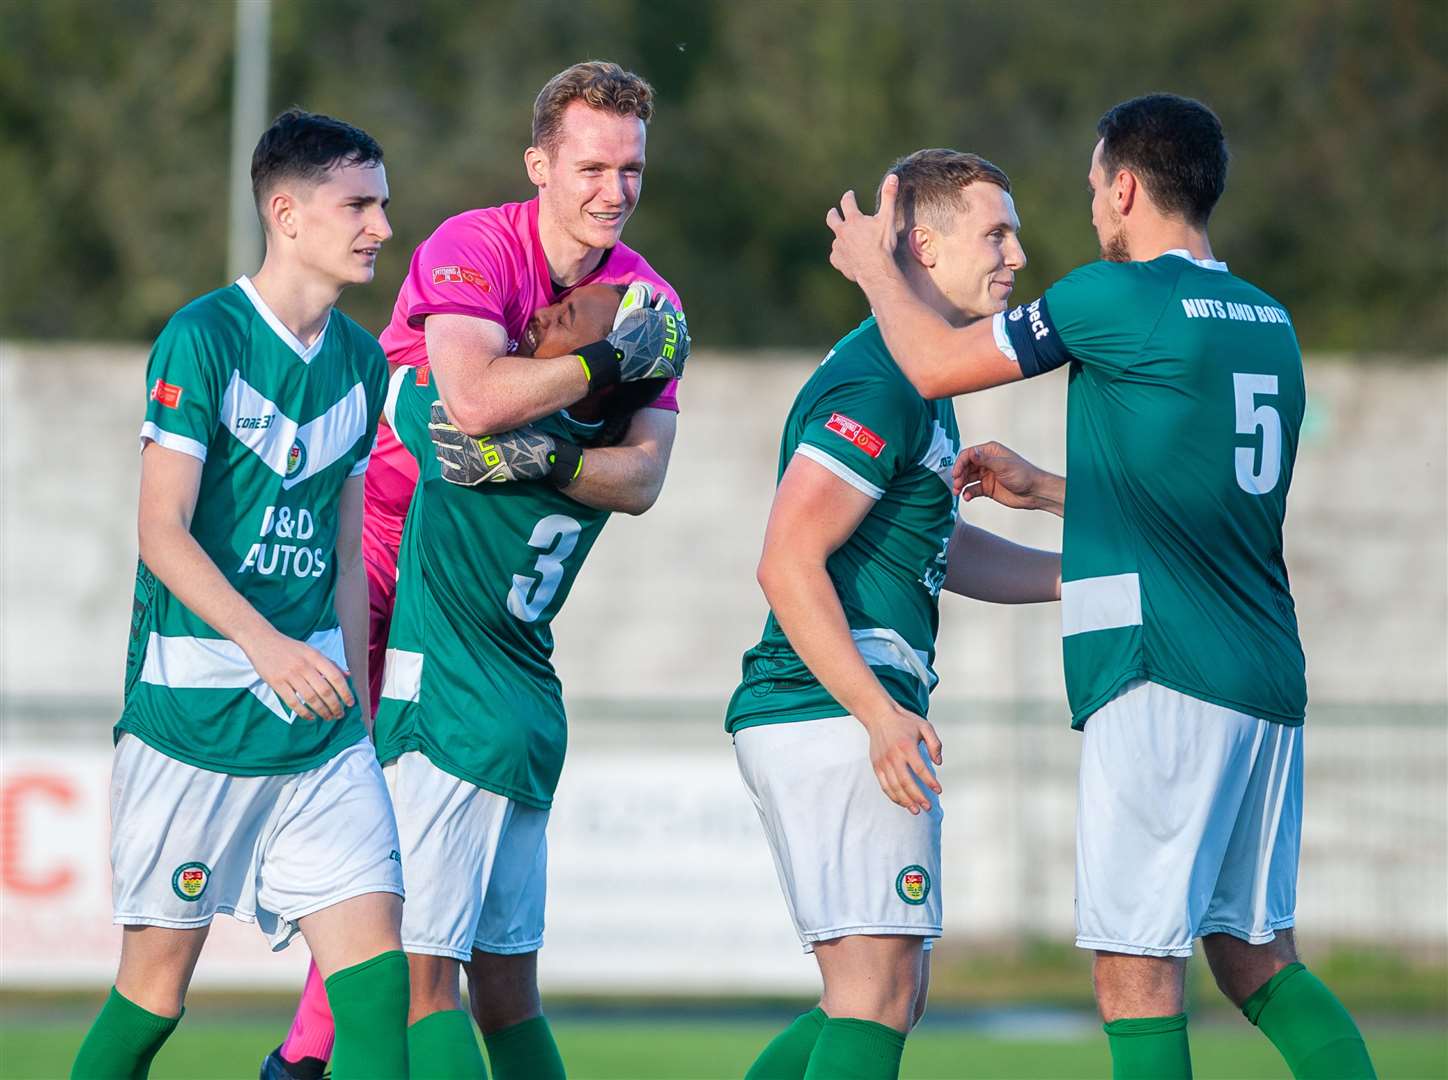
x=589, y=183
x=339, y=224
x=972, y=261
x=585, y=315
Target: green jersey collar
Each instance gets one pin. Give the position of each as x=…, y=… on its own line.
x=279, y=328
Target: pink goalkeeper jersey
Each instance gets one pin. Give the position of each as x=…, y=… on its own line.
x=489, y=264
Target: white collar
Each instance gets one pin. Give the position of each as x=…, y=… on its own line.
x=289, y=339
x=1205, y=264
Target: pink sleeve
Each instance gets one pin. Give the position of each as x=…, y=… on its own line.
x=668, y=398
x=461, y=269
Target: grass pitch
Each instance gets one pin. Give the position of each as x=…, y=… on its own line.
x=210, y=1045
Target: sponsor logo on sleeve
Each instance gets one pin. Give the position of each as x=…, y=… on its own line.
x=1032, y=311
x=857, y=433
x=912, y=885
x=190, y=880
x=458, y=275
x=164, y=393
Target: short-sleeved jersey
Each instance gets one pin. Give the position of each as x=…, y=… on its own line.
x=859, y=417
x=280, y=428
x=488, y=264
x=1184, y=405
x=482, y=571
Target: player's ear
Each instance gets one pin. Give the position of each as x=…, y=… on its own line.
x=535, y=161
x=921, y=242
x=281, y=212
x=1125, y=190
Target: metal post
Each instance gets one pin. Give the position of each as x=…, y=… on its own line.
x=248, y=121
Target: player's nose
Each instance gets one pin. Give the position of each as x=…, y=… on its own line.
x=1015, y=253
x=380, y=227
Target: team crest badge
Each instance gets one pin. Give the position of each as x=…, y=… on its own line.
x=190, y=880
x=913, y=885
x=296, y=458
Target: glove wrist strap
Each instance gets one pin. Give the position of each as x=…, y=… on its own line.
x=600, y=364
x=566, y=462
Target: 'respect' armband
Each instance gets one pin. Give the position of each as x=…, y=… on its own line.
x=600, y=364
x=565, y=463
x=1028, y=337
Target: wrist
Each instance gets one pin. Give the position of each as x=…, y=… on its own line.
x=600, y=364
x=254, y=637
x=874, y=712
x=565, y=464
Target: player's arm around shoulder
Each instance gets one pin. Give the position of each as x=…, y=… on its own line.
x=310, y=684
x=627, y=478
x=814, y=513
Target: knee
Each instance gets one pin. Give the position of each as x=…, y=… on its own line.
x=1241, y=969
x=434, y=985
x=503, y=991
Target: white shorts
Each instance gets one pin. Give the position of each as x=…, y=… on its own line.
x=1188, y=822
x=478, y=863
x=849, y=860
x=187, y=843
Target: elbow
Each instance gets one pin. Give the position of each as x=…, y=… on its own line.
x=474, y=416
x=929, y=382
x=643, y=501
x=150, y=539
x=770, y=575
x=473, y=421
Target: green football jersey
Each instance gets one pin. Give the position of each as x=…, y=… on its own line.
x=1184, y=405
x=859, y=417
x=482, y=571
x=280, y=428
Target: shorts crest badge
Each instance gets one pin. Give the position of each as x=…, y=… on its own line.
x=913, y=885
x=190, y=880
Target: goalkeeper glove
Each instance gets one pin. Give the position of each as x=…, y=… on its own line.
x=649, y=340
x=523, y=454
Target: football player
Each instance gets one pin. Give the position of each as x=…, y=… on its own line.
x=829, y=719
x=244, y=781
x=1183, y=663
x=467, y=308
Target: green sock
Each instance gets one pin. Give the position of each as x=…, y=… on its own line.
x=1152, y=1046
x=1309, y=1026
x=122, y=1041
x=787, y=1055
x=369, y=1008
x=442, y=1046
x=525, y=1051
x=850, y=1049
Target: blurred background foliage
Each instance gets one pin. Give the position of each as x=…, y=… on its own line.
x=114, y=129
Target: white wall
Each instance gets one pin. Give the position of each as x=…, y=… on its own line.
x=659, y=868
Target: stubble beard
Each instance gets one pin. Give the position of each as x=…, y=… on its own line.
x=1113, y=248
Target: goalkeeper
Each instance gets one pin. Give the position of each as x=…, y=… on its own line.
x=481, y=293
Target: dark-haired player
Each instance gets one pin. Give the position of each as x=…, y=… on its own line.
x=1183, y=664
x=471, y=725
x=244, y=782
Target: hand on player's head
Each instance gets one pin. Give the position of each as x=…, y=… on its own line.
x=863, y=240
x=585, y=314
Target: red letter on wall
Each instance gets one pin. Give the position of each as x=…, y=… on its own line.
x=15, y=874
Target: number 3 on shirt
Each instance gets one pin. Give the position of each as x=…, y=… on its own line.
x=1253, y=418
x=555, y=536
